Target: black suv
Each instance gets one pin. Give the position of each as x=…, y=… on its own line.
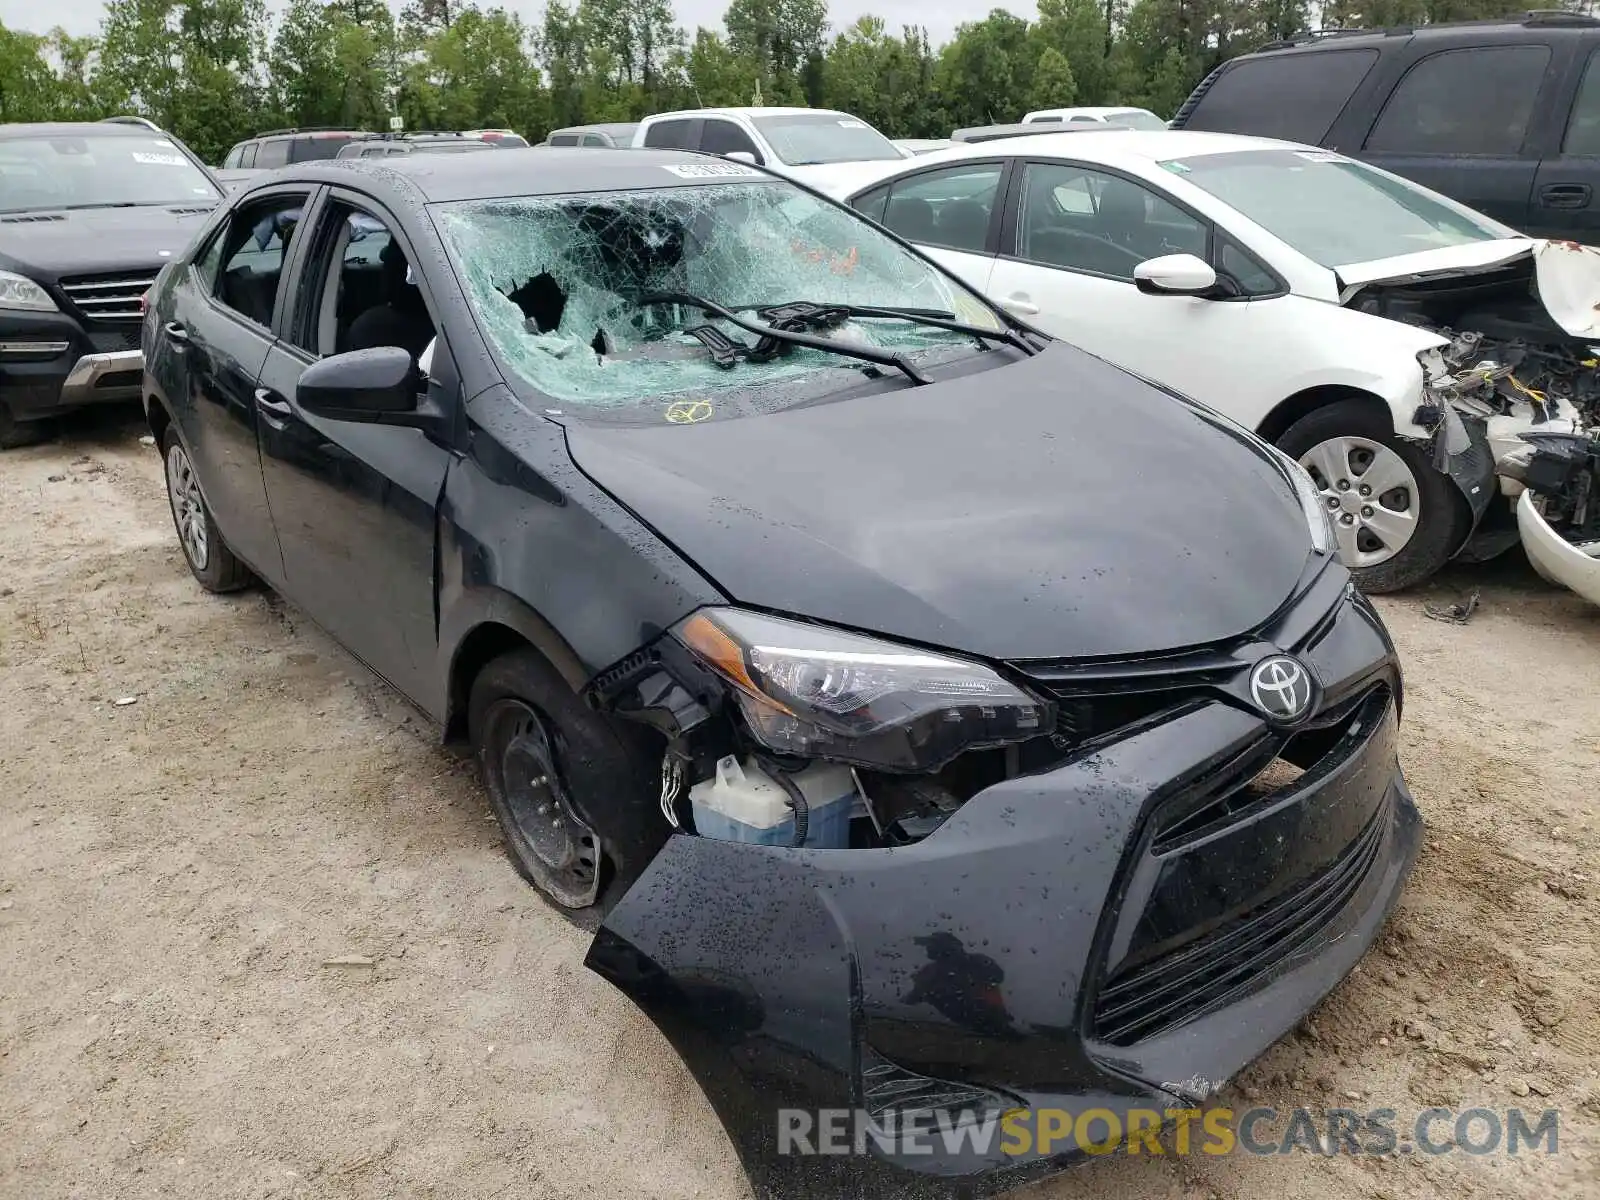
x=89, y=214
x=1501, y=115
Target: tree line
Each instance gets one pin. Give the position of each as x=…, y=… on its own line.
x=216, y=71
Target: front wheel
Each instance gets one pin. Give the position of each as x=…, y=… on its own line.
x=572, y=789
x=15, y=434
x=1397, y=519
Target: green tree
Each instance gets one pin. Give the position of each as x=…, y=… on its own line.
x=780, y=37
x=1053, y=84
x=985, y=73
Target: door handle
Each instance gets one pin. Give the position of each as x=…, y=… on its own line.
x=1020, y=305
x=176, y=332
x=1565, y=195
x=273, y=404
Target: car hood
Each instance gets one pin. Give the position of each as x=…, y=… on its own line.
x=47, y=245
x=1443, y=262
x=1050, y=508
x=841, y=179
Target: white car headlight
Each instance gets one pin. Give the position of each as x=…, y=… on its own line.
x=20, y=292
x=1316, y=512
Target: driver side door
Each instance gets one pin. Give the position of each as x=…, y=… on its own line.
x=1069, y=246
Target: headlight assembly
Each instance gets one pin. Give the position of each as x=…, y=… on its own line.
x=1311, y=503
x=20, y=292
x=823, y=693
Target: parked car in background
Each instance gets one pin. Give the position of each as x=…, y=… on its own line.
x=616, y=135
x=930, y=716
x=922, y=145
x=813, y=145
x=89, y=214
x=1386, y=336
x=1503, y=115
x=500, y=139
x=384, y=145
x=279, y=147
x=993, y=133
x=1127, y=118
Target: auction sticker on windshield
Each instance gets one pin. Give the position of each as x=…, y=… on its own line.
x=158, y=160
x=708, y=170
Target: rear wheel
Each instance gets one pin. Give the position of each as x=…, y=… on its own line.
x=1397, y=518
x=572, y=790
x=210, y=561
x=15, y=434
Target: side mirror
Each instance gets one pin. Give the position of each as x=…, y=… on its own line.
x=377, y=386
x=744, y=156
x=1174, y=275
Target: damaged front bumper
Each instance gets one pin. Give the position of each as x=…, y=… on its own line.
x=1158, y=910
x=1558, y=514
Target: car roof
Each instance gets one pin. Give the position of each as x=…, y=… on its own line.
x=75, y=129
x=1103, y=111
x=1555, y=21
x=1111, y=146
x=522, y=171
x=611, y=127
x=770, y=111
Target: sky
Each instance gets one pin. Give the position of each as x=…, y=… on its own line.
x=83, y=16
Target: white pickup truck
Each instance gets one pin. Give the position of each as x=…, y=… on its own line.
x=809, y=144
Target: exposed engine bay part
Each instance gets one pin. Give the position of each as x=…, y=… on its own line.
x=1558, y=513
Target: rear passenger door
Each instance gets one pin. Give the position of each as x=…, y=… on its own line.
x=1466, y=122
x=1566, y=191
x=950, y=213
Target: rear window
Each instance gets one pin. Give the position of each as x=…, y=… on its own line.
x=1296, y=97
x=274, y=152
x=318, y=145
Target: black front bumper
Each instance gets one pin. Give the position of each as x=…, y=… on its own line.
x=49, y=364
x=1126, y=931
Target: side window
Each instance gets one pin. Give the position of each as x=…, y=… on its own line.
x=949, y=207
x=233, y=157
x=724, y=137
x=252, y=252
x=272, y=153
x=593, y=139
x=1086, y=220
x=564, y=139
x=871, y=203
x=1244, y=268
x=1083, y=120
x=1583, y=127
x=1469, y=102
x=207, y=262
x=671, y=135
x=1295, y=96
x=248, y=157
x=365, y=292
x=1044, y=120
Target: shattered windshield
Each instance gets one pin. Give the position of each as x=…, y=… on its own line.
x=1290, y=193
x=568, y=290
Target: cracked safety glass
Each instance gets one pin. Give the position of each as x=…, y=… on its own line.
x=567, y=290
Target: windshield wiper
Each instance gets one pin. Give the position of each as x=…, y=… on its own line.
x=725, y=354
x=930, y=317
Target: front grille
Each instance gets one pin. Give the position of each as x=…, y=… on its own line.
x=113, y=298
x=1256, y=775
x=1211, y=972
x=1096, y=699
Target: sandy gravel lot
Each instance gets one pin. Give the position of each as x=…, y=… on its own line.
x=175, y=872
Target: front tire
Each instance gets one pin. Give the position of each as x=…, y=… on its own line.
x=15, y=434
x=575, y=793
x=210, y=561
x=1397, y=519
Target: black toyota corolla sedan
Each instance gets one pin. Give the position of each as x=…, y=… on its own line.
x=934, y=718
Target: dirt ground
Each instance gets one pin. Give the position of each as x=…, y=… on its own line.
x=203, y=800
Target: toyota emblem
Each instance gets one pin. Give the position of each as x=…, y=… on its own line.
x=1281, y=688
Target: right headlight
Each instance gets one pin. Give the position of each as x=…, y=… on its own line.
x=816, y=692
x=1311, y=504
x=20, y=292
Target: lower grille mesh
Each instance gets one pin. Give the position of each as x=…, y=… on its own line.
x=1210, y=972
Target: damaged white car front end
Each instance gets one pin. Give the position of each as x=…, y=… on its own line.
x=1513, y=366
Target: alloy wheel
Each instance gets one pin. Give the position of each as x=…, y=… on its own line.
x=188, y=507
x=563, y=853
x=1371, y=496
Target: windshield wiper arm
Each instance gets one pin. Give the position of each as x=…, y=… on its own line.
x=924, y=316
x=871, y=354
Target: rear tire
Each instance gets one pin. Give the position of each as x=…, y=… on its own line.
x=210, y=561
x=1413, y=505
x=15, y=434
x=576, y=793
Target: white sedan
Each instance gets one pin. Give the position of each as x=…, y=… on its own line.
x=1292, y=289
